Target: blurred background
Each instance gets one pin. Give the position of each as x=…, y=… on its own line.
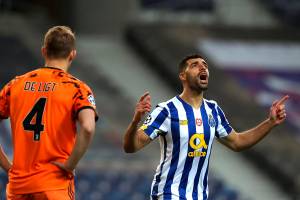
x=131, y=46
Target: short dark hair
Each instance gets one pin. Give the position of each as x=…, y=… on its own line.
x=183, y=62
x=59, y=41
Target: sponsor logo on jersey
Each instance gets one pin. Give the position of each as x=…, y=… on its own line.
x=197, y=142
x=183, y=122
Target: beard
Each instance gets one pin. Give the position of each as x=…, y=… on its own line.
x=195, y=84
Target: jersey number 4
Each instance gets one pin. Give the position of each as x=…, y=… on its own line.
x=37, y=127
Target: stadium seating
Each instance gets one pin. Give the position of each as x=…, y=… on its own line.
x=287, y=10
x=126, y=185
x=15, y=60
x=179, y=5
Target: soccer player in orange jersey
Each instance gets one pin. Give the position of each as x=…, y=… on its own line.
x=43, y=106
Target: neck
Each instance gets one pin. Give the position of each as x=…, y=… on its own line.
x=192, y=97
x=59, y=63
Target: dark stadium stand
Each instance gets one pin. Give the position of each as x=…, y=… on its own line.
x=126, y=185
x=286, y=10
x=179, y=5
x=15, y=58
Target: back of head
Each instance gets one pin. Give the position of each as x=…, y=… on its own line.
x=59, y=41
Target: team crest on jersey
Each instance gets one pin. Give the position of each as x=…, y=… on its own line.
x=91, y=99
x=211, y=121
x=198, y=121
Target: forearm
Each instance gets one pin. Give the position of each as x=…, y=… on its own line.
x=130, y=138
x=4, y=161
x=82, y=143
x=250, y=137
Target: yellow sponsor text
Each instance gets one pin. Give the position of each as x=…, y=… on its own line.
x=197, y=154
x=183, y=122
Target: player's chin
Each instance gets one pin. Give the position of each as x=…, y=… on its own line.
x=203, y=87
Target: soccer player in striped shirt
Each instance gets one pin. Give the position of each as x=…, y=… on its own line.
x=186, y=126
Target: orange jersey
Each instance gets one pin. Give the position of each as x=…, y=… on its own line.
x=43, y=106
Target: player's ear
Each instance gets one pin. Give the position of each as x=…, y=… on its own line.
x=72, y=55
x=44, y=51
x=182, y=76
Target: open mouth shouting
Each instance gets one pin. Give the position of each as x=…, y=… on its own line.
x=203, y=78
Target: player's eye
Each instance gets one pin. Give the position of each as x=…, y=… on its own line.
x=194, y=65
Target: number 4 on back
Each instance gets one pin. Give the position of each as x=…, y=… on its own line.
x=37, y=127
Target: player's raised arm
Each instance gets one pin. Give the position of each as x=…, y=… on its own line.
x=135, y=138
x=240, y=141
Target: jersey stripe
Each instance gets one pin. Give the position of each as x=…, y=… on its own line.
x=156, y=123
x=157, y=177
x=176, y=147
x=202, y=159
x=207, y=131
x=212, y=106
x=189, y=160
x=224, y=121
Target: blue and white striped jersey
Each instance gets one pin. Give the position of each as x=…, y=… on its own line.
x=186, y=136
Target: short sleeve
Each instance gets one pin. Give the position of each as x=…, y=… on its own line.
x=156, y=123
x=84, y=99
x=5, y=101
x=223, y=128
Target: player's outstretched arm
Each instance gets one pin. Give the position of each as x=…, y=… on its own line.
x=86, y=118
x=134, y=138
x=240, y=141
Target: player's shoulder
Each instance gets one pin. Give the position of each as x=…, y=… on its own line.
x=28, y=75
x=69, y=79
x=211, y=103
x=165, y=105
x=17, y=79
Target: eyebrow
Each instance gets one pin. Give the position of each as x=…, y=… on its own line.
x=203, y=62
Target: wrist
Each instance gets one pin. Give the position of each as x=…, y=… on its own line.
x=135, y=121
x=271, y=122
x=68, y=166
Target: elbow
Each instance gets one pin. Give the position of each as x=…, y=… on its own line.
x=89, y=130
x=127, y=149
x=236, y=149
x=237, y=144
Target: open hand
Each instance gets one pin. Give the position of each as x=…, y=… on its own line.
x=277, y=111
x=142, y=106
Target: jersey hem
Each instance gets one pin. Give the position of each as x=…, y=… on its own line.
x=12, y=191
